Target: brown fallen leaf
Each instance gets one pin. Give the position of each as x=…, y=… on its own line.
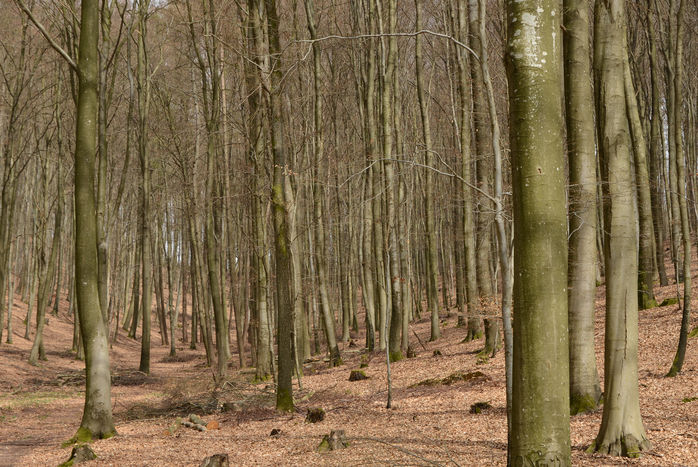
x=213, y=425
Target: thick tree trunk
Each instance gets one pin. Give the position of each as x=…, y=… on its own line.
x=540, y=431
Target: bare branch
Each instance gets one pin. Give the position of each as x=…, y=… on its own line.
x=396, y=34
x=50, y=40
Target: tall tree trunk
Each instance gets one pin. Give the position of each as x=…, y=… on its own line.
x=143, y=88
x=387, y=103
x=645, y=277
x=318, y=219
x=621, y=430
x=272, y=75
x=432, y=255
x=585, y=391
x=474, y=329
x=680, y=163
x=540, y=413
x=97, y=419
x=656, y=153
x=37, y=350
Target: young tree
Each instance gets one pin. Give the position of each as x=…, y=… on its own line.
x=540, y=406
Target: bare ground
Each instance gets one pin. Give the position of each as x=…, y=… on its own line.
x=428, y=425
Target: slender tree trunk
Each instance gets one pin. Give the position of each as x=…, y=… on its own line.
x=143, y=88
x=474, y=329
x=621, y=430
x=585, y=391
x=97, y=419
x=646, y=257
x=680, y=163
x=656, y=153
x=432, y=256
x=37, y=350
x=281, y=204
x=318, y=220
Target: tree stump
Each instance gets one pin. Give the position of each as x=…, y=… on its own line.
x=216, y=460
x=478, y=407
x=357, y=375
x=335, y=440
x=315, y=415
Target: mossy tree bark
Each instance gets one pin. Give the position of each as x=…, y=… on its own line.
x=621, y=431
x=97, y=419
x=585, y=390
x=540, y=432
x=281, y=201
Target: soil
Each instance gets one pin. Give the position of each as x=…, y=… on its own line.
x=428, y=424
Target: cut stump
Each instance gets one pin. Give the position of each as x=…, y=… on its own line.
x=335, y=440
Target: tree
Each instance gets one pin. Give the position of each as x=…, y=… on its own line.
x=585, y=391
x=97, y=419
x=431, y=251
x=621, y=431
x=281, y=199
x=540, y=406
x=318, y=221
x=143, y=87
x=680, y=163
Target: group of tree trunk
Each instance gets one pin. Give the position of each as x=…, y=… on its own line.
x=307, y=168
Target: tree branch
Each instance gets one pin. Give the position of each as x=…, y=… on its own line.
x=50, y=40
x=396, y=34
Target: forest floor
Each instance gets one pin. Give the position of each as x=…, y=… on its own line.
x=429, y=424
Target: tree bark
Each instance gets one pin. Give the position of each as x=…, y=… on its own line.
x=621, y=431
x=540, y=411
x=585, y=391
x=680, y=163
x=97, y=419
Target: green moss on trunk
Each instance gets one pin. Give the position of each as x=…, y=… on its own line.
x=582, y=403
